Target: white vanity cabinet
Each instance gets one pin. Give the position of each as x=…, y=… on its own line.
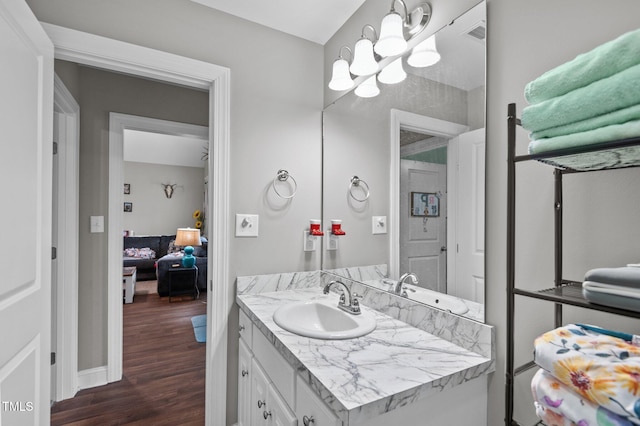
x=310, y=410
x=276, y=398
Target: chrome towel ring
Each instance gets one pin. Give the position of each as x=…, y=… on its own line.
x=355, y=183
x=283, y=176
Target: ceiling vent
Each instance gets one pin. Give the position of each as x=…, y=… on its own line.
x=477, y=31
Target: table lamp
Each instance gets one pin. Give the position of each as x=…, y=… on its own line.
x=188, y=238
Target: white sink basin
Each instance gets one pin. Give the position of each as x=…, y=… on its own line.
x=437, y=300
x=322, y=319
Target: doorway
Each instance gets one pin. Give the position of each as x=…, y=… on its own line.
x=112, y=55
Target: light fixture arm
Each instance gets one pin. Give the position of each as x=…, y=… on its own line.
x=373, y=30
x=348, y=50
x=407, y=17
x=418, y=19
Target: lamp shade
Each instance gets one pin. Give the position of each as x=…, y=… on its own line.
x=391, y=40
x=188, y=237
x=363, y=61
x=368, y=88
x=340, y=78
x=392, y=73
x=424, y=54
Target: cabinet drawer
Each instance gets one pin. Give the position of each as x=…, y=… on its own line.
x=310, y=409
x=280, y=372
x=245, y=328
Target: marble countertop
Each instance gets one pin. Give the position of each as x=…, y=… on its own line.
x=394, y=365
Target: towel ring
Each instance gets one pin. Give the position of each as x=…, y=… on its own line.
x=283, y=176
x=355, y=182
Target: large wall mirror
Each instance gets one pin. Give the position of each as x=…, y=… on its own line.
x=404, y=172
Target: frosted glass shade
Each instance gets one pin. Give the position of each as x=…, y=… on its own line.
x=368, y=88
x=391, y=41
x=363, y=61
x=424, y=54
x=392, y=73
x=340, y=78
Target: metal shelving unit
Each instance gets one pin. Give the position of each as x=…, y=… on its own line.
x=564, y=292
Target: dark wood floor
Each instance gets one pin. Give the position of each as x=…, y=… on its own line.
x=163, y=373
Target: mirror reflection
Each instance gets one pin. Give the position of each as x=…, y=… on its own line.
x=419, y=148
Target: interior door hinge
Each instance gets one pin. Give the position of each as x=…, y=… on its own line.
x=54, y=253
x=55, y=148
x=53, y=358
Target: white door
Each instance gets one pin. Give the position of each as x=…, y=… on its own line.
x=244, y=384
x=423, y=239
x=54, y=243
x=470, y=216
x=26, y=115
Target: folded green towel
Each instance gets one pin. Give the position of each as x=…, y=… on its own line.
x=603, y=61
x=616, y=117
x=613, y=132
x=610, y=94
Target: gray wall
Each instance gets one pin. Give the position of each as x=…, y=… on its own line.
x=153, y=213
x=526, y=39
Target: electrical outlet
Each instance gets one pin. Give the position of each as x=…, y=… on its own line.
x=246, y=225
x=379, y=225
x=332, y=242
x=309, y=241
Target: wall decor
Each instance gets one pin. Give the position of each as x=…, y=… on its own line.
x=128, y=207
x=127, y=188
x=425, y=204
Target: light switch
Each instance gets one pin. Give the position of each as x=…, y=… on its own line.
x=246, y=225
x=379, y=225
x=97, y=224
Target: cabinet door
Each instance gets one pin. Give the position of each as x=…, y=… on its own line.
x=244, y=385
x=278, y=413
x=310, y=409
x=259, y=391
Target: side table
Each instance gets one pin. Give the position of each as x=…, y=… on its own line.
x=183, y=281
x=129, y=283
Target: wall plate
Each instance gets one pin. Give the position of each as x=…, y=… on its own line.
x=246, y=225
x=379, y=225
x=309, y=241
x=332, y=241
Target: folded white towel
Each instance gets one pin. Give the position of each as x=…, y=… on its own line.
x=611, y=289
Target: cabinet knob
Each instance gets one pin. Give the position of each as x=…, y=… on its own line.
x=266, y=415
x=244, y=373
x=306, y=420
x=241, y=328
x=261, y=403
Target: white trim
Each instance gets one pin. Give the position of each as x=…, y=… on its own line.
x=419, y=123
x=114, y=55
x=92, y=378
x=66, y=319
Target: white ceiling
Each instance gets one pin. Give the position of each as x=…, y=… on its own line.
x=158, y=148
x=313, y=20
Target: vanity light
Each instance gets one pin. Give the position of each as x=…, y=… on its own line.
x=368, y=88
x=364, y=62
x=392, y=40
x=424, y=54
x=392, y=73
x=341, y=78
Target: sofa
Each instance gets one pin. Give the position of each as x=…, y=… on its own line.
x=174, y=260
x=143, y=252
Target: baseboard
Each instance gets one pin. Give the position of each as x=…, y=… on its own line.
x=92, y=377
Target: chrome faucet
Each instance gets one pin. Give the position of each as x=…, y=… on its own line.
x=398, y=288
x=347, y=303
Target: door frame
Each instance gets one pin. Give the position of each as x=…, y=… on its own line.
x=101, y=52
x=419, y=123
x=66, y=321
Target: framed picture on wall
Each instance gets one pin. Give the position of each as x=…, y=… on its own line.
x=425, y=204
x=128, y=207
x=127, y=188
